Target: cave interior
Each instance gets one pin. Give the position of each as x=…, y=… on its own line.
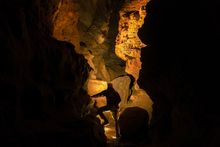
x=160, y=57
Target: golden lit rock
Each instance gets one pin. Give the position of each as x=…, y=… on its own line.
x=96, y=86
x=65, y=21
x=89, y=34
x=128, y=45
x=121, y=85
x=133, y=67
x=128, y=48
x=100, y=101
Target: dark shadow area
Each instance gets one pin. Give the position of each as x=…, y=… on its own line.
x=42, y=102
x=133, y=123
x=180, y=71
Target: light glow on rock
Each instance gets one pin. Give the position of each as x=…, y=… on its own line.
x=128, y=45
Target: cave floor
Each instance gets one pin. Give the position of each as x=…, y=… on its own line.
x=110, y=133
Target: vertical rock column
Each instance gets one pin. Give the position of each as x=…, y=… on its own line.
x=128, y=45
x=128, y=48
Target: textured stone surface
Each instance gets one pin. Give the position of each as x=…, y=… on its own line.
x=96, y=86
x=128, y=45
x=128, y=48
x=121, y=85
x=65, y=21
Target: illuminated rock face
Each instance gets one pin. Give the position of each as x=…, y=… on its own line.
x=109, y=43
x=96, y=86
x=128, y=45
x=82, y=24
x=65, y=21
x=128, y=48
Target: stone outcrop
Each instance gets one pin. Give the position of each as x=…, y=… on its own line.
x=128, y=45
x=42, y=98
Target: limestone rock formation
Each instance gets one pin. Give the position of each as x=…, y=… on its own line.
x=128, y=45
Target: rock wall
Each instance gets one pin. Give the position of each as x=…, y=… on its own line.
x=109, y=42
x=180, y=70
x=42, y=101
x=128, y=45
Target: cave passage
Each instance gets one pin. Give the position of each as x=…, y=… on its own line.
x=105, y=52
x=161, y=58
x=128, y=48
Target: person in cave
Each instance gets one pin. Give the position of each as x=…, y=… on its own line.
x=113, y=99
x=132, y=82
